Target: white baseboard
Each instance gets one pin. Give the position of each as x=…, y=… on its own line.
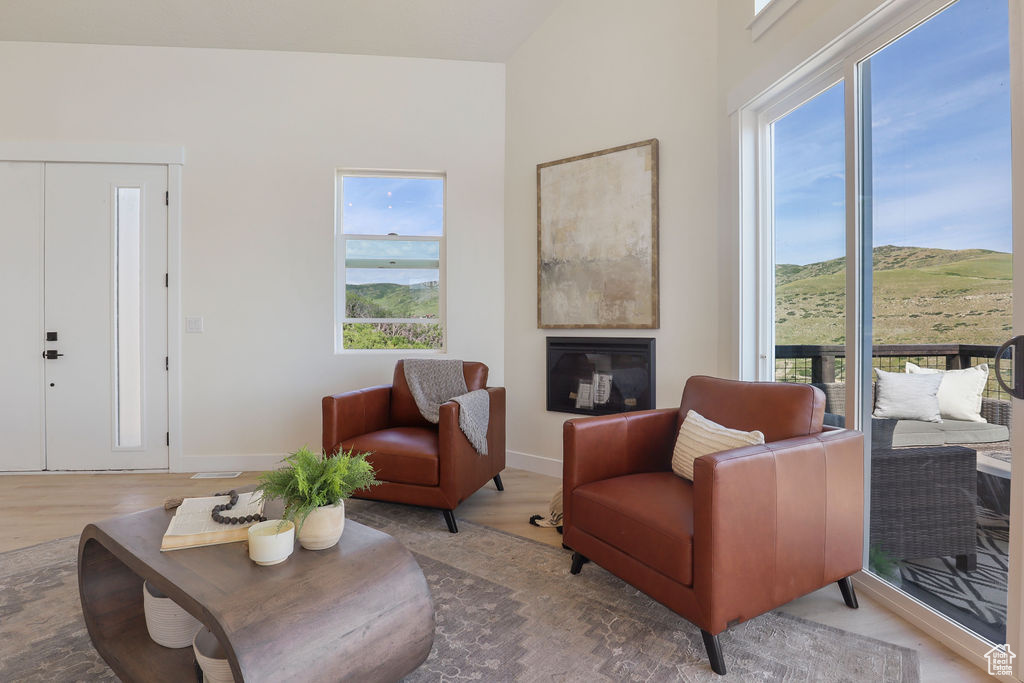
x=534, y=463
x=247, y=462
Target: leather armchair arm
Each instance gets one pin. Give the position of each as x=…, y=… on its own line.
x=596, y=448
x=462, y=468
x=774, y=522
x=353, y=413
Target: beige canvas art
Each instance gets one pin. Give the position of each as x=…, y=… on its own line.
x=597, y=218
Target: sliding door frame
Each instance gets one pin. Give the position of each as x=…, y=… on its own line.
x=840, y=60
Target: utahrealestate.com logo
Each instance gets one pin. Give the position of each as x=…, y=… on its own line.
x=1000, y=660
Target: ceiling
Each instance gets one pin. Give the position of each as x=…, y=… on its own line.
x=477, y=30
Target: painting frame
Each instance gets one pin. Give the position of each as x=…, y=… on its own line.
x=606, y=239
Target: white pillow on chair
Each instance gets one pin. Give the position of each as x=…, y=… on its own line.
x=700, y=436
x=960, y=391
x=900, y=396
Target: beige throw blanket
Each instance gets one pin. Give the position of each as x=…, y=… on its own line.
x=433, y=381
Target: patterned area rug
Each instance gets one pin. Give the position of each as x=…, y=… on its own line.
x=507, y=610
x=976, y=599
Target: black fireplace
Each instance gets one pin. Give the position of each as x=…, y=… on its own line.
x=600, y=375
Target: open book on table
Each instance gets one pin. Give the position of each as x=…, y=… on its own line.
x=192, y=525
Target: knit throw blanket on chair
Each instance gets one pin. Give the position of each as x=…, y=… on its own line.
x=436, y=381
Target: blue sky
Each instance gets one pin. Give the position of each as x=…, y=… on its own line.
x=381, y=205
x=940, y=108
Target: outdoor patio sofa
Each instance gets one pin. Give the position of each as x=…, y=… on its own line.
x=908, y=433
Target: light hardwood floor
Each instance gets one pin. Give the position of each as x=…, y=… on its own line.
x=43, y=507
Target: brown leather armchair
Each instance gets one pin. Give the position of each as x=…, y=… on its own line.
x=757, y=527
x=420, y=463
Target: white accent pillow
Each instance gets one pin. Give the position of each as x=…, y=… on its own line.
x=960, y=391
x=900, y=396
x=700, y=436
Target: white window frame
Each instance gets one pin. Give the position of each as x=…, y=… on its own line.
x=750, y=199
x=340, y=242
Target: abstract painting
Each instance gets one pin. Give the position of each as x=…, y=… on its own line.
x=597, y=239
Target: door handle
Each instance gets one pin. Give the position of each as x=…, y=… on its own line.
x=51, y=354
x=1018, y=366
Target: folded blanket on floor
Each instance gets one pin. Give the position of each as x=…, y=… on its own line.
x=433, y=381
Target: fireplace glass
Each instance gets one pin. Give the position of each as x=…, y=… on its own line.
x=600, y=375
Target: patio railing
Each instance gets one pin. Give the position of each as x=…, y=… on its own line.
x=827, y=363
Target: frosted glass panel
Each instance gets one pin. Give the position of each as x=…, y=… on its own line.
x=128, y=319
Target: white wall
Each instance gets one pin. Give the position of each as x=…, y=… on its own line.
x=751, y=66
x=263, y=133
x=746, y=68
x=597, y=74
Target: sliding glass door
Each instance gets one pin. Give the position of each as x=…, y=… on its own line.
x=886, y=263
x=935, y=169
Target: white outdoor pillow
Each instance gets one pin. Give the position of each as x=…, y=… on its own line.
x=960, y=391
x=900, y=396
x=700, y=436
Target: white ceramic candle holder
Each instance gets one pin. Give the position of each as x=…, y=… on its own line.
x=271, y=542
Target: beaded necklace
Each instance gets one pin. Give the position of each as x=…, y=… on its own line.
x=242, y=519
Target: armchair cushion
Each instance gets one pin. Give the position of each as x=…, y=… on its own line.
x=700, y=436
x=406, y=455
x=647, y=516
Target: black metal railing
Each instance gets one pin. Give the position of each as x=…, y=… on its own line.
x=826, y=363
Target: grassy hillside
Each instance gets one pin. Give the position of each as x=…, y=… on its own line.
x=389, y=300
x=924, y=296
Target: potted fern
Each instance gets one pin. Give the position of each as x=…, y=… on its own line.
x=313, y=488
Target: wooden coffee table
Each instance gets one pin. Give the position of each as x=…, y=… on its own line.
x=359, y=611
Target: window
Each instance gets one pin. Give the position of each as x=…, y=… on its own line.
x=808, y=239
x=389, y=242
x=760, y=5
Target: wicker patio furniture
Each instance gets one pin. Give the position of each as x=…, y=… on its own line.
x=910, y=433
x=923, y=503
x=996, y=411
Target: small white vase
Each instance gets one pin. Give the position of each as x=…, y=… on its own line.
x=271, y=542
x=323, y=527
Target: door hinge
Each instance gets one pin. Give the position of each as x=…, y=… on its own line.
x=167, y=198
x=168, y=438
x=167, y=362
x=167, y=279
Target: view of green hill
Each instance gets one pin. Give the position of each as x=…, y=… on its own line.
x=390, y=300
x=922, y=296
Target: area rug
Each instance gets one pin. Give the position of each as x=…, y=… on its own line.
x=976, y=599
x=507, y=609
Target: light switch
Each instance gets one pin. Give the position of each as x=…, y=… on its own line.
x=193, y=324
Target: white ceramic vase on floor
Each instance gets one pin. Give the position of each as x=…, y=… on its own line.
x=323, y=527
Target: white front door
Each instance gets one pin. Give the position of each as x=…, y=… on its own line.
x=100, y=359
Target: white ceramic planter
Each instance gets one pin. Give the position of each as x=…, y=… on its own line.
x=323, y=527
x=271, y=542
x=168, y=624
x=211, y=657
